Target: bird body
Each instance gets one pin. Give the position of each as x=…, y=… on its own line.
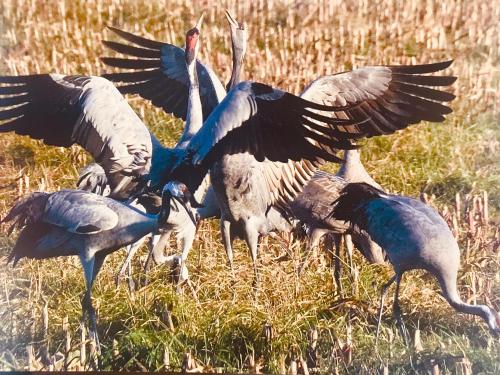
x=414, y=236
x=76, y=222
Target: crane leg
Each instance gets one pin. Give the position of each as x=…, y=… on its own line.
x=350, y=250
x=225, y=228
x=252, y=240
x=312, y=244
x=158, y=242
x=186, y=242
x=131, y=250
x=383, y=293
x=91, y=267
x=396, y=308
x=131, y=283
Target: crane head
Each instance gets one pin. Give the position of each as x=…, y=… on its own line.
x=192, y=37
x=239, y=35
x=179, y=192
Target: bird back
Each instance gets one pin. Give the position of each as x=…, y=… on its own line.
x=352, y=197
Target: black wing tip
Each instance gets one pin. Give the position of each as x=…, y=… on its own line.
x=115, y=29
x=421, y=68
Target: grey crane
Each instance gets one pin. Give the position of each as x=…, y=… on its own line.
x=414, y=236
x=249, y=168
x=393, y=97
x=90, y=226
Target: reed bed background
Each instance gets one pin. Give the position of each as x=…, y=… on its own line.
x=298, y=324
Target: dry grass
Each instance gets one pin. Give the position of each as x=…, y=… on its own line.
x=290, y=44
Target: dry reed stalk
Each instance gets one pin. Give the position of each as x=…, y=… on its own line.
x=166, y=358
x=83, y=349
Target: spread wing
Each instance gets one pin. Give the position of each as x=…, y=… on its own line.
x=392, y=97
x=160, y=75
x=63, y=110
x=389, y=97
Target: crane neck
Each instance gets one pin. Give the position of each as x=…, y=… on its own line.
x=351, y=164
x=352, y=157
x=194, y=116
x=450, y=292
x=238, y=55
x=352, y=170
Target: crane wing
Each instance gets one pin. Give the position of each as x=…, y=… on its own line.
x=160, y=74
x=392, y=97
x=79, y=212
x=73, y=210
x=63, y=110
x=93, y=178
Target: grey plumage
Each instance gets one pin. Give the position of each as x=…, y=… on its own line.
x=93, y=178
x=414, y=236
x=63, y=110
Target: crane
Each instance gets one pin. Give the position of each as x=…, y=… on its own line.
x=173, y=66
x=90, y=226
x=240, y=142
x=393, y=97
x=414, y=236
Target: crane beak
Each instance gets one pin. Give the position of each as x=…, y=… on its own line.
x=232, y=21
x=200, y=21
x=230, y=18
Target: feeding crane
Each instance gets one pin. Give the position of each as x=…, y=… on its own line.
x=312, y=207
x=414, y=236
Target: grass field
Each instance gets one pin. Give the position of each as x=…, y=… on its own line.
x=291, y=43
